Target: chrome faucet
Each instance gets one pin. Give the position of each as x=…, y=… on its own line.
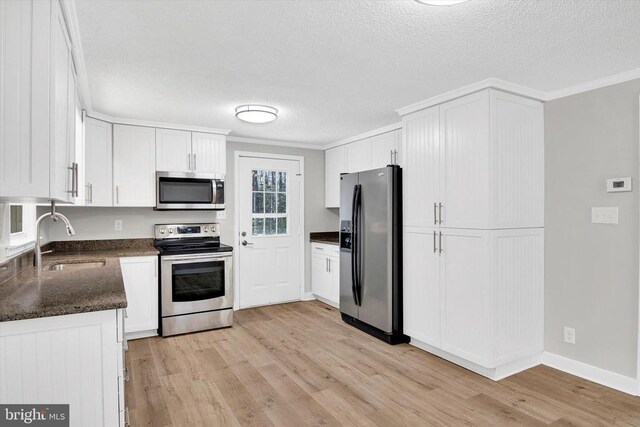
x=55, y=217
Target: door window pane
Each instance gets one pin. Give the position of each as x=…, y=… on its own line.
x=282, y=225
x=269, y=203
x=258, y=203
x=270, y=226
x=257, y=226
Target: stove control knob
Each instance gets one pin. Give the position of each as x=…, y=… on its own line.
x=170, y=230
x=162, y=231
x=206, y=229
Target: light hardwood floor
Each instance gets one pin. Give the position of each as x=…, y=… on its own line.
x=299, y=364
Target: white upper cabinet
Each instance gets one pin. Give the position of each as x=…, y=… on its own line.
x=464, y=128
x=368, y=153
x=24, y=99
x=209, y=153
x=385, y=148
x=184, y=151
x=335, y=164
x=421, y=168
x=98, y=154
x=134, y=165
x=476, y=162
x=173, y=150
x=359, y=156
x=38, y=93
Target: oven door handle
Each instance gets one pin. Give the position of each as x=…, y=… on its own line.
x=194, y=257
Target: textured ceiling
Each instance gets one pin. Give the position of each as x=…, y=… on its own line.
x=337, y=68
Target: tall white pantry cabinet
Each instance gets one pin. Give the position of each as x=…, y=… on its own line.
x=473, y=176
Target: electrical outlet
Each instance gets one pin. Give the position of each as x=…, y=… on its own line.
x=117, y=225
x=221, y=214
x=569, y=335
x=607, y=215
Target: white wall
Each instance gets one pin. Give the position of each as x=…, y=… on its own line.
x=591, y=270
x=97, y=223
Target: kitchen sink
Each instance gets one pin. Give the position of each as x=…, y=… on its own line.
x=76, y=265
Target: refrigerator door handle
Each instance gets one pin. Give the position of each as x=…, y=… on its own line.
x=359, y=245
x=354, y=245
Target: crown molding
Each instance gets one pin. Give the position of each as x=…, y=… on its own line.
x=375, y=132
x=594, y=84
x=71, y=18
x=474, y=87
x=259, y=141
x=161, y=125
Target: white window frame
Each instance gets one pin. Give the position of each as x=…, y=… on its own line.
x=24, y=240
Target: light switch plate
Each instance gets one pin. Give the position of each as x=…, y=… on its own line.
x=221, y=215
x=616, y=185
x=606, y=215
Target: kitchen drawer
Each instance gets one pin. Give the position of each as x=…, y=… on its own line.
x=325, y=249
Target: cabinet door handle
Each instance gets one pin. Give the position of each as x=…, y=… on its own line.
x=329, y=264
x=440, y=242
x=74, y=179
x=127, y=421
x=440, y=213
x=91, y=193
x=435, y=247
x=195, y=161
x=189, y=160
x=435, y=213
x=125, y=374
x=117, y=196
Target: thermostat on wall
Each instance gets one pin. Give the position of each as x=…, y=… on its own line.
x=615, y=185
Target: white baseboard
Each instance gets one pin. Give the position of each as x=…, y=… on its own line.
x=495, y=374
x=308, y=296
x=141, y=334
x=597, y=375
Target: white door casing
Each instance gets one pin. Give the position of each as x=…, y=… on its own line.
x=269, y=211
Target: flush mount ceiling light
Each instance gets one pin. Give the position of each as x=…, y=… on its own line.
x=256, y=113
x=441, y=2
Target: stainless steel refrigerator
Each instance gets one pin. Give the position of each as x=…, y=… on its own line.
x=371, y=252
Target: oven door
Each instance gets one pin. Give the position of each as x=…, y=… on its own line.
x=195, y=283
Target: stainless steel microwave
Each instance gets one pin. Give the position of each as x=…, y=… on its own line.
x=189, y=191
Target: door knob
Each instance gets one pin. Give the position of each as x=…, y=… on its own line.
x=245, y=243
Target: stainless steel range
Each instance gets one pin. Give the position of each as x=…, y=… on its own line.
x=196, y=278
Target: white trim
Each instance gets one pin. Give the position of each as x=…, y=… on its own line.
x=308, y=296
x=591, y=373
x=365, y=135
x=272, y=142
x=496, y=374
x=594, y=84
x=638, y=352
x=71, y=18
x=475, y=87
x=141, y=334
x=147, y=123
x=236, y=214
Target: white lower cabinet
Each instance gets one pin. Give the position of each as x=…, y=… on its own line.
x=475, y=297
x=140, y=276
x=325, y=272
x=71, y=359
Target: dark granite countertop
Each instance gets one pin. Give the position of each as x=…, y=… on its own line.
x=72, y=290
x=327, y=237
